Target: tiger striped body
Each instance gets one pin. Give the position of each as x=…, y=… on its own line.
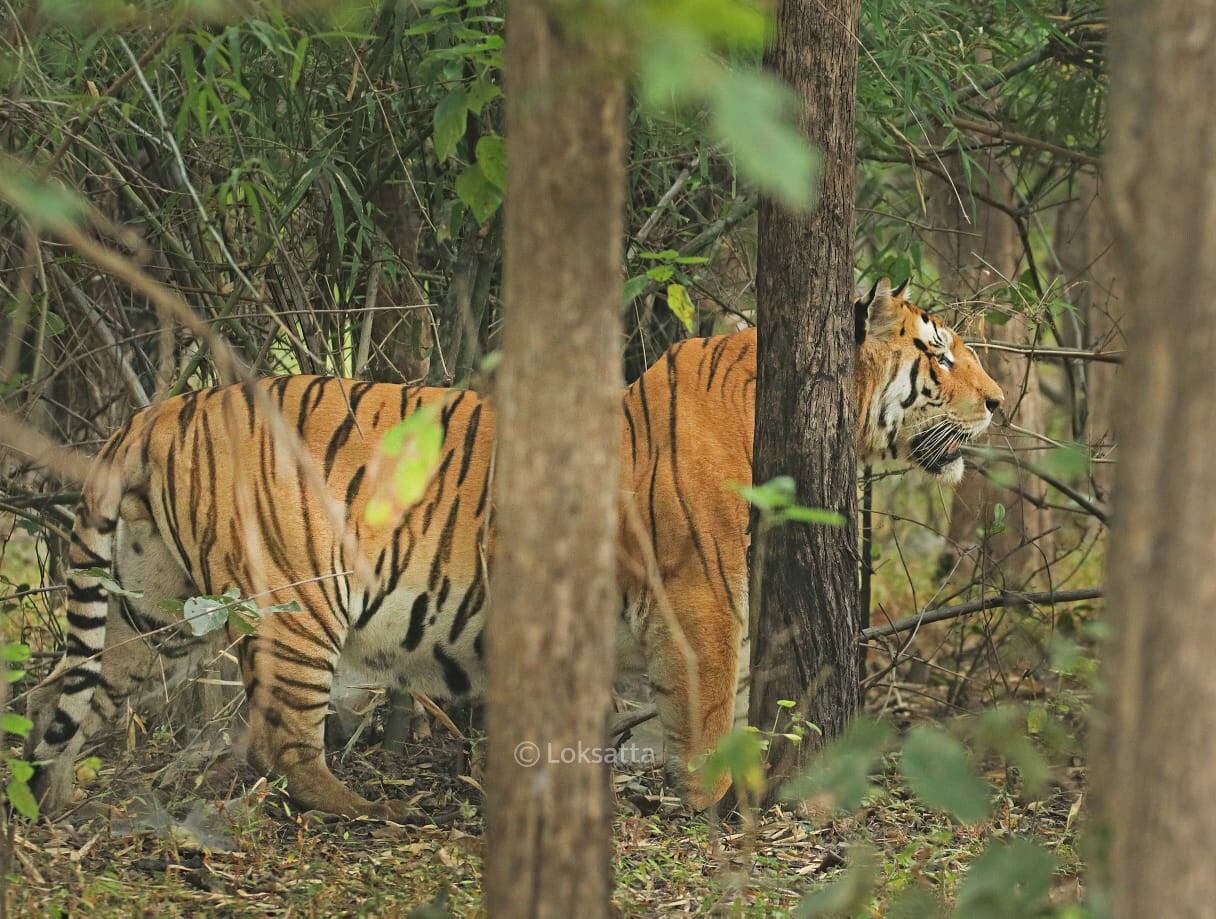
x=263, y=486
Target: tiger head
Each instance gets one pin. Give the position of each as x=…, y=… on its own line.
x=922, y=393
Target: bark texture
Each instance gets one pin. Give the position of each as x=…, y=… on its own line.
x=554, y=601
x=1095, y=286
x=1158, y=786
x=804, y=627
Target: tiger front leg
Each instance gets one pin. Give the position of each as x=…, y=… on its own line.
x=692, y=653
x=289, y=676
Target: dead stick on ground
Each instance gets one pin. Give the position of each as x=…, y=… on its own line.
x=1046, y=597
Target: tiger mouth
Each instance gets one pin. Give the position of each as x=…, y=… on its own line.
x=938, y=447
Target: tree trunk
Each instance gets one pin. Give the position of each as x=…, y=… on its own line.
x=1159, y=788
x=805, y=624
x=554, y=601
x=1095, y=287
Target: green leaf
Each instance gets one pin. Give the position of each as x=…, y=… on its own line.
x=776, y=493
x=20, y=796
x=108, y=584
x=819, y=515
x=1003, y=730
x=1010, y=880
x=206, y=614
x=737, y=754
x=842, y=769
x=634, y=287
x=660, y=274
x=16, y=652
x=413, y=446
x=55, y=325
x=451, y=117
x=43, y=203
x=936, y=768
x=681, y=305
x=479, y=93
x=674, y=66
x=492, y=160
x=476, y=191
x=749, y=116
x=297, y=64
x=12, y=723
x=20, y=769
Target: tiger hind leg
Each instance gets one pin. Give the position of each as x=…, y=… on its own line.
x=289, y=672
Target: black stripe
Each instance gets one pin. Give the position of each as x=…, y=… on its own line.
x=417, y=622
x=445, y=416
x=675, y=472
x=453, y=674
x=469, y=607
x=294, y=702
x=906, y=403
x=633, y=434
x=281, y=650
x=83, y=623
x=77, y=594
x=352, y=490
x=470, y=441
x=79, y=679
x=302, y=684
x=444, y=551
x=713, y=364
x=62, y=728
x=440, y=478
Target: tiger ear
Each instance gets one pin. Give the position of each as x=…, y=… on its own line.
x=876, y=315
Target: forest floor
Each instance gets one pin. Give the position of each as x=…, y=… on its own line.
x=169, y=852
x=146, y=839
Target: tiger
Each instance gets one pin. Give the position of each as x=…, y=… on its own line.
x=262, y=487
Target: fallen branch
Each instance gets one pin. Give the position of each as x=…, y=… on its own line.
x=621, y=722
x=975, y=606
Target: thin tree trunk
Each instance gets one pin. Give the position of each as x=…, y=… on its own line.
x=553, y=598
x=1095, y=287
x=804, y=627
x=1156, y=779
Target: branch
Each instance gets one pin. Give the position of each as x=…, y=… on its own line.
x=997, y=600
x=1103, y=357
x=621, y=722
x=134, y=387
x=1023, y=140
x=30, y=499
x=1066, y=490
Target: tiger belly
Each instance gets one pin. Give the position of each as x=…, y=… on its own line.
x=419, y=642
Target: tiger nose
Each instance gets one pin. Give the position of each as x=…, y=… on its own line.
x=993, y=404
